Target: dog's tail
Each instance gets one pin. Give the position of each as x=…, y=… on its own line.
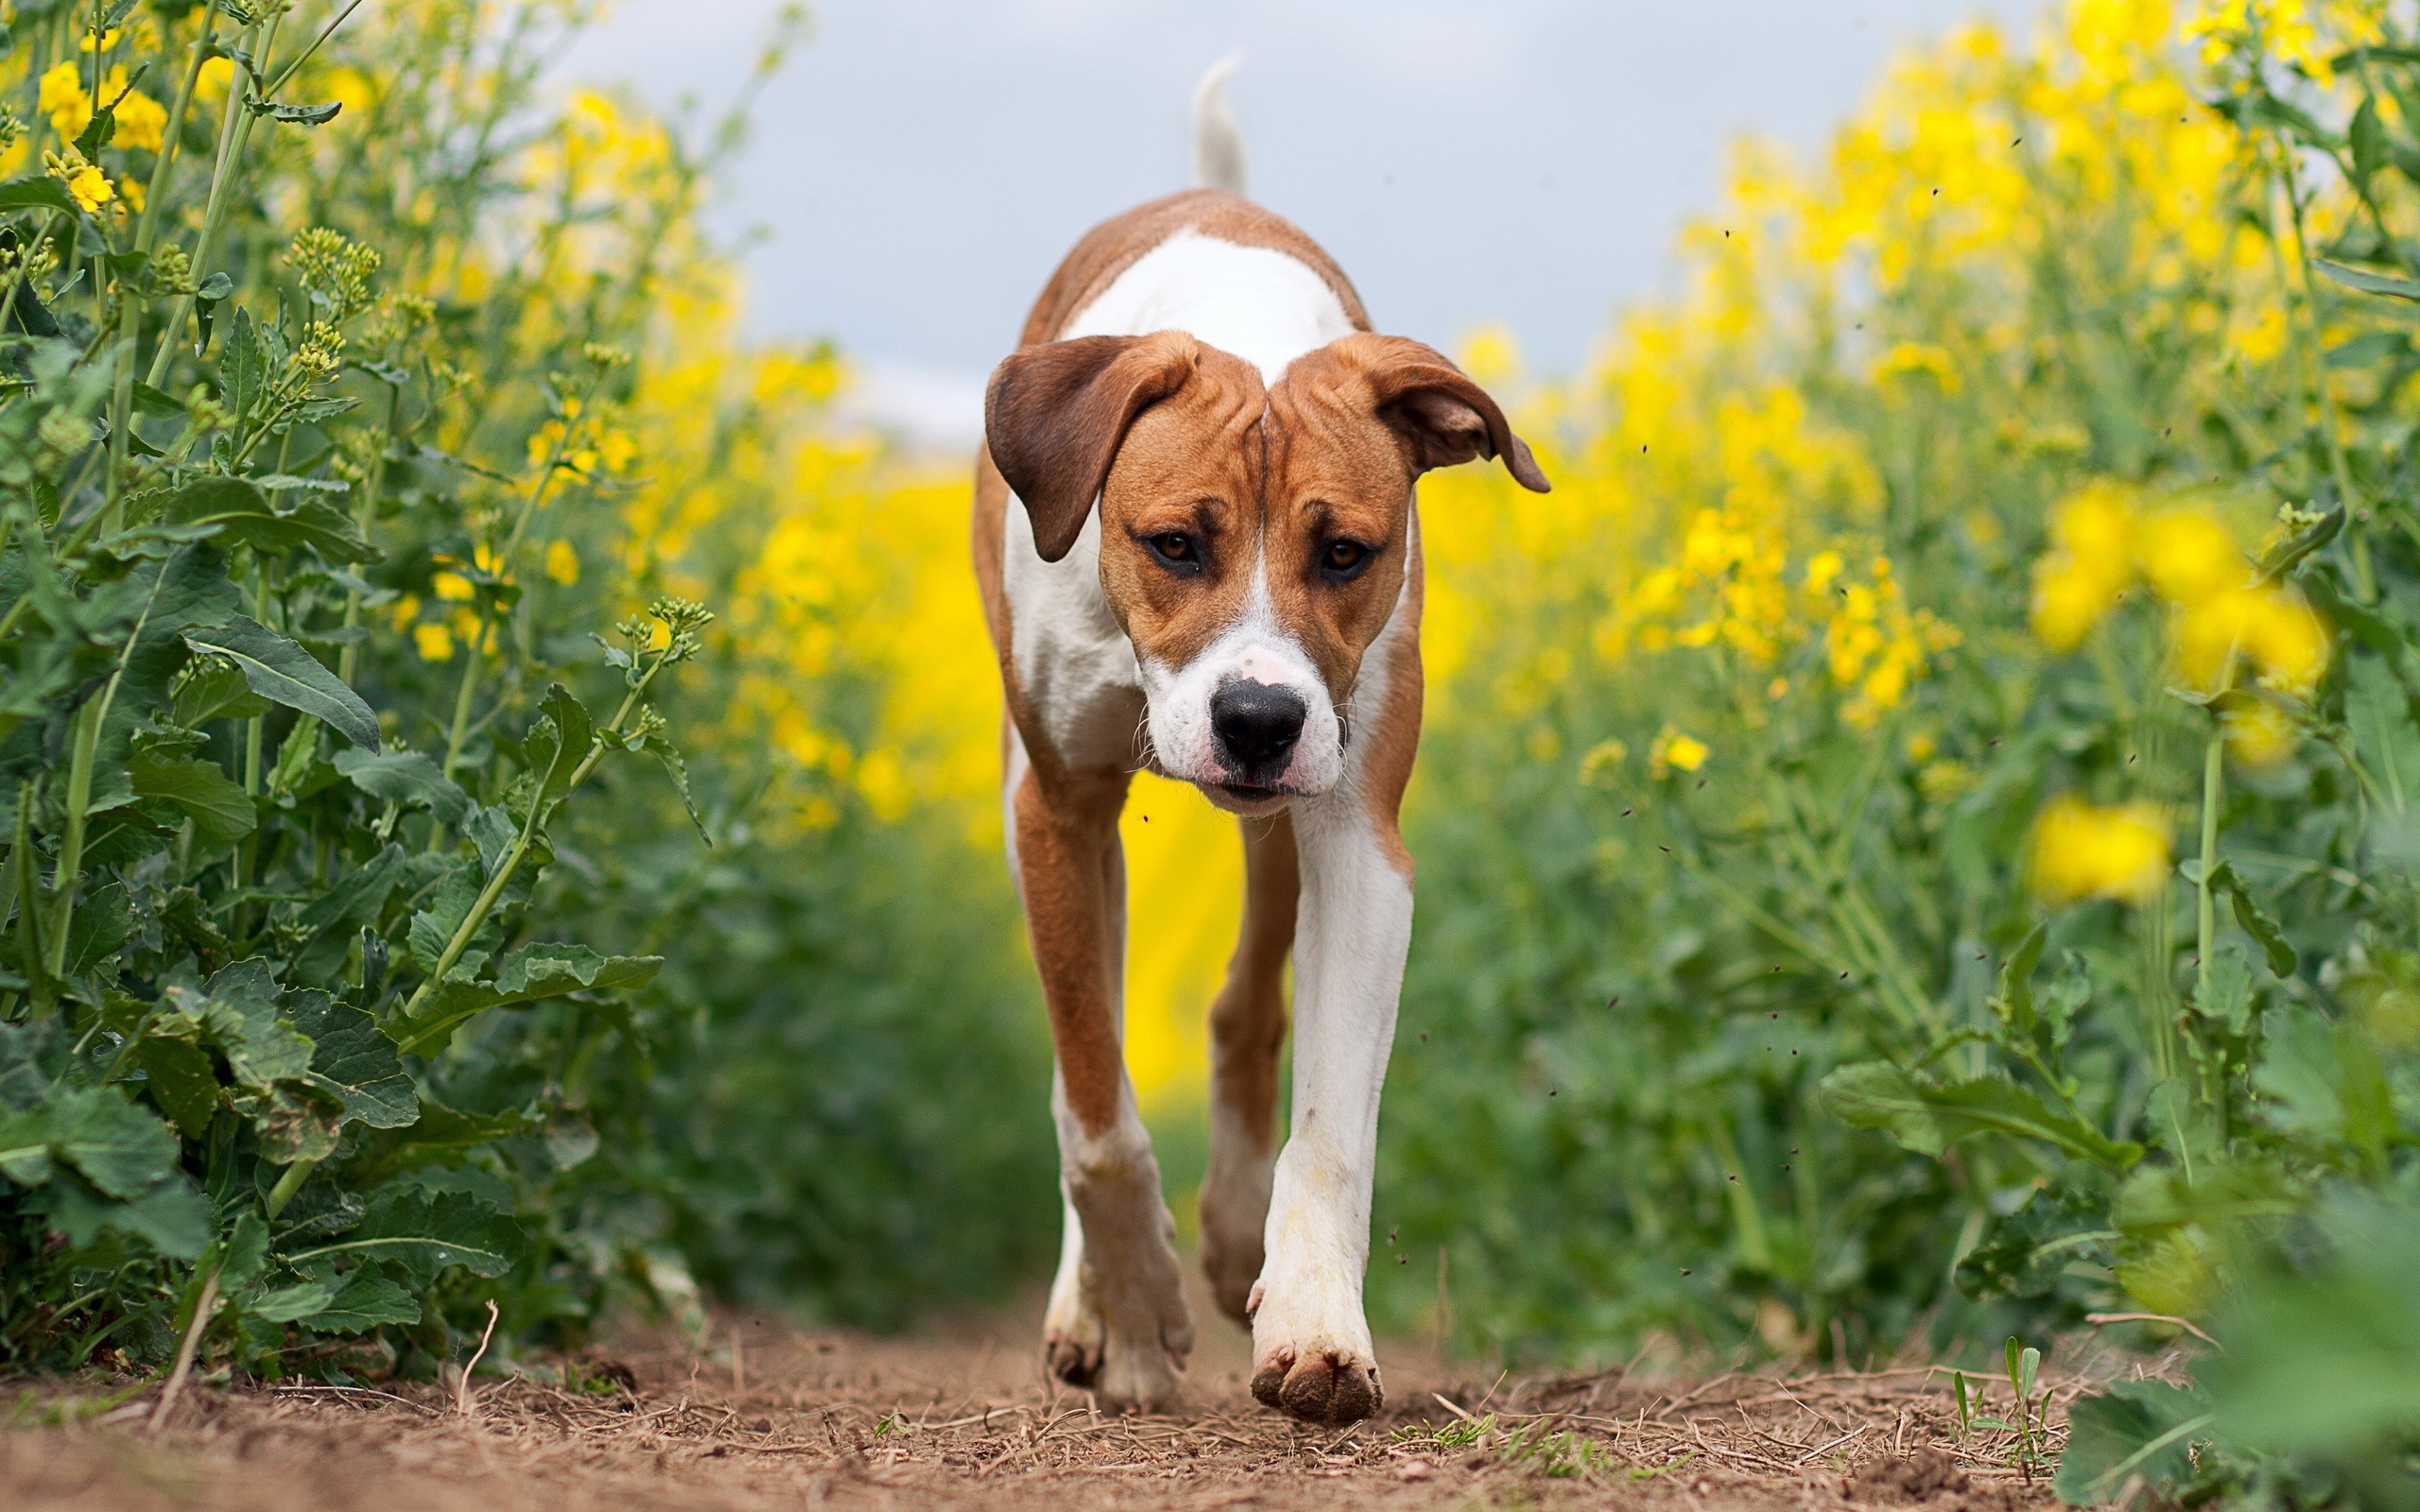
x=1218, y=142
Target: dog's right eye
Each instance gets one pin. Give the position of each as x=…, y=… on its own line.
x=1175, y=551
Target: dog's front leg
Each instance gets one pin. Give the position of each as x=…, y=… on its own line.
x=1311, y=1351
x=1118, y=1322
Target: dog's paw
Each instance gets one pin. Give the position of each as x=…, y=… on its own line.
x=1074, y=1340
x=1332, y=1384
x=1141, y=1373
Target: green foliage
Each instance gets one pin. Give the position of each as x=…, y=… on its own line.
x=1862, y=1015
x=357, y=969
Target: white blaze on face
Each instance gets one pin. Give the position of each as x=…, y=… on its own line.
x=1255, y=648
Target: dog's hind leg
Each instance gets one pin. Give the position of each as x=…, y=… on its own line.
x=1247, y=1025
x=1118, y=1323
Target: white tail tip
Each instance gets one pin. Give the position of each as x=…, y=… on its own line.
x=1218, y=142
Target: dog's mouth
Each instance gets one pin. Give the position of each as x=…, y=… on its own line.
x=1248, y=798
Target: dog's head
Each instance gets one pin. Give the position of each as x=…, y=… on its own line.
x=1253, y=540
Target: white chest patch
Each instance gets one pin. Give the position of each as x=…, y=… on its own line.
x=1257, y=302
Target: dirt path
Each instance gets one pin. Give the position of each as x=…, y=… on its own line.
x=815, y=1418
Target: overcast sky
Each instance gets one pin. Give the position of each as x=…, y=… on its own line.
x=922, y=165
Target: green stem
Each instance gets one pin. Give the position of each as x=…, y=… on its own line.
x=518, y=851
x=2364, y=584
x=464, y=694
x=79, y=787
x=364, y=515
x=29, y=907
x=234, y=130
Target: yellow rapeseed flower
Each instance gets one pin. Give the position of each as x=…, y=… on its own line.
x=435, y=642
x=562, y=562
x=2093, y=562
x=1673, y=750
x=452, y=586
x=2189, y=557
x=2261, y=736
x=91, y=187
x=142, y=122
x=2088, y=851
x=62, y=99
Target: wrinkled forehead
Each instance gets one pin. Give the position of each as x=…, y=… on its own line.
x=1210, y=436
x=1327, y=441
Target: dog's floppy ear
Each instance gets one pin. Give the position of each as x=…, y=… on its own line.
x=1444, y=416
x=1056, y=413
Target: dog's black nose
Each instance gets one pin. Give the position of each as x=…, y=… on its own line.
x=1257, y=724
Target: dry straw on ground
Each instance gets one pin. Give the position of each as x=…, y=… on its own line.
x=796, y=1419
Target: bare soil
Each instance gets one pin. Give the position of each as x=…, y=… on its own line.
x=765, y=1415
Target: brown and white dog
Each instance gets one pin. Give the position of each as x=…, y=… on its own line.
x=1199, y=555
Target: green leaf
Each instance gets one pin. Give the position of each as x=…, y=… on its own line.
x=182, y=1079
x=677, y=769
x=443, y=1136
x=211, y=690
x=238, y=509
x=2158, y=1198
x=2135, y=1428
x=408, y=777
x=38, y=192
x=119, y=1147
x=2025, y=1253
x=2014, y=1003
x=354, y=902
x=103, y=921
x=172, y=1217
x=2353, y=277
x=2366, y=136
x=2255, y=922
x=2229, y=1001
x=289, y=1304
x=150, y=400
x=2289, y=553
x=243, y=366
x=222, y=812
x=426, y=1233
x=558, y=744
x=283, y=672
x=531, y=974
x=354, y=1056
x=297, y=114
x=1929, y=1118
x=369, y=1299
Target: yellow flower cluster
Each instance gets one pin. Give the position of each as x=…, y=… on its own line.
x=142, y=121
x=1874, y=644
x=2086, y=851
x=2106, y=541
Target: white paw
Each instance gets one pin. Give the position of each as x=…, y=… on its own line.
x=1312, y=1353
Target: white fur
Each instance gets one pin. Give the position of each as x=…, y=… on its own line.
x=1256, y=301
x=1351, y=936
x=1218, y=142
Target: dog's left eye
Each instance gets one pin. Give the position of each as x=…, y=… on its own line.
x=1343, y=559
